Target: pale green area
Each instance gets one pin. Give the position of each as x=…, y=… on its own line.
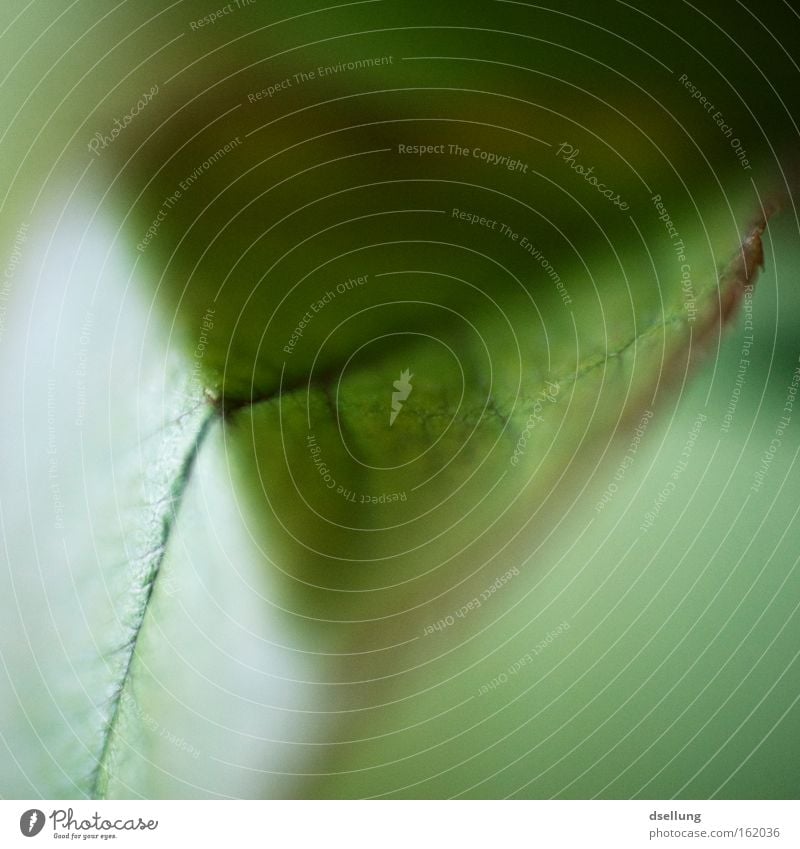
x=286, y=649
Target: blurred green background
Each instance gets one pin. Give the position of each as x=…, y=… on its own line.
x=187, y=613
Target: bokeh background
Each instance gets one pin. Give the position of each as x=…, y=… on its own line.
x=187, y=612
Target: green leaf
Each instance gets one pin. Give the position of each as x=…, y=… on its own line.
x=332, y=328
